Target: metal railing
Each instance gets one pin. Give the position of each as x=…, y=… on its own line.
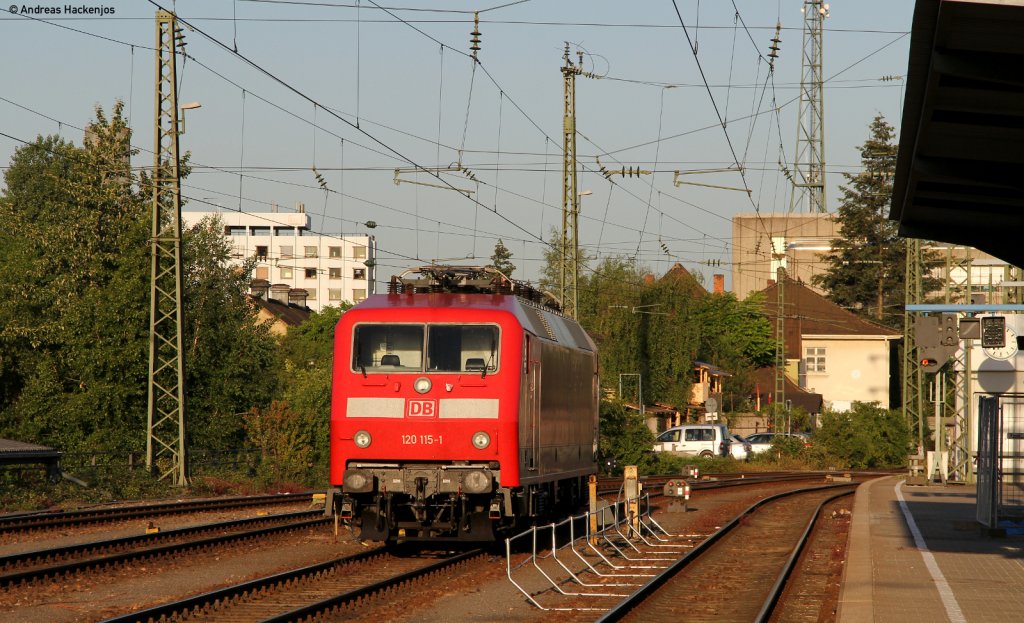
x=625, y=550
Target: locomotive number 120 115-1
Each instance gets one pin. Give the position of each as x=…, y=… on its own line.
x=422, y=440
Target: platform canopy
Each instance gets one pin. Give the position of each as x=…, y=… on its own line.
x=960, y=170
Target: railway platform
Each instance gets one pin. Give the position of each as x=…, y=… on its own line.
x=917, y=554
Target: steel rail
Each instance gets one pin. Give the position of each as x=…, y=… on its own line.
x=22, y=522
x=637, y=597
x=200, y=603
x=775, y=594
x=63, y=569
x=109, y=546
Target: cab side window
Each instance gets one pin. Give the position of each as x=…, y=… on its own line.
x=670, y=436
x=692, y=434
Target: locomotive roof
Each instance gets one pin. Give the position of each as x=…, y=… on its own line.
x=535, y=319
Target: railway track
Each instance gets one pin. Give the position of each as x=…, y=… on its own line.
x=18, y=570
x=740, y=571
x=59, y=519
x=298, y=595
x=653, y=484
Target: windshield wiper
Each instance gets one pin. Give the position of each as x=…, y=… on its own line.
x=363, y=369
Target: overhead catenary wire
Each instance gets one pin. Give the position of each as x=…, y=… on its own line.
x=504, y=168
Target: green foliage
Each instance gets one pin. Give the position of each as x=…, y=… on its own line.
x=75, y=305
x=605, y=303
x=311, y=344
x=867, y=264
x=226, y=348
x=865, y=437
x=625, y=437
x=309, y=354
x=658, y=328
x=284, y=440
x=501, y=259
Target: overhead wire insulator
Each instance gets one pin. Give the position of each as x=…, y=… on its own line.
x=474, y=42
x=774, y=53
x=320, y=179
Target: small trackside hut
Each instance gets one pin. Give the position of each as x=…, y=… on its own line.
x=463, y=405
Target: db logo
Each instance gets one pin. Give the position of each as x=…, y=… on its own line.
x=422, y=408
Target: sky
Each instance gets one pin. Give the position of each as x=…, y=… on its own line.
x=354, y=89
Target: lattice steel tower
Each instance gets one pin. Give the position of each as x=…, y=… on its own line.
x=165, y=439
x=809, y=163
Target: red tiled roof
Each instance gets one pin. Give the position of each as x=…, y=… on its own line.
x=813, y=314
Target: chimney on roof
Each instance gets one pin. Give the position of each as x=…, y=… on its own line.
x=719, y=281
x=259, y=288
x=279, y=293
x=297, y=296
x=300, y=207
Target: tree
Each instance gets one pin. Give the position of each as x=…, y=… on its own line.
x=867, y=264
x=500, y=259
x=607, y=298
x=74, y=305
x=865, y=437
x=308, y=351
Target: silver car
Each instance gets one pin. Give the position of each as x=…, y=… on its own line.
x=740, y=448
x=761, y=442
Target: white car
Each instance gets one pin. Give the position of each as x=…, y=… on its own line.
x=705, y=440
x=740, y=448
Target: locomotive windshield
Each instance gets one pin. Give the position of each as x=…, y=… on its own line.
x=449, y=348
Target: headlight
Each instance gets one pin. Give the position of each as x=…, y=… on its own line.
x=357, y=481
x=481, y=440
x=362, y=439
x=476, y=481
x=422, y=385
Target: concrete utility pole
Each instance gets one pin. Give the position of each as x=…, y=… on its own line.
x=809, y=163
x=570, y=251
x=165, y=438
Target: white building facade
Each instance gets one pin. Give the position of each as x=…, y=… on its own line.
x=332, y=269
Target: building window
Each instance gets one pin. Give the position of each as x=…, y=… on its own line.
x=814, y=359
x=262, y=272
x=359, y=253
x=334, y=272
x=261, y=253
x=287, y=251
x=236, y=230
x=310, y=251
x=284, y=231
x=310, y=273
x=260, y=231
x=334, y=251
x=359, y=273
x=286, y=272
x=310, y=294
x=358, y=294
x=334, y=294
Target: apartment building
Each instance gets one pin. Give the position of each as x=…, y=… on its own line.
x=330, y=268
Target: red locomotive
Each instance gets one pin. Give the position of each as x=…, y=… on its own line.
x=461, y=406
